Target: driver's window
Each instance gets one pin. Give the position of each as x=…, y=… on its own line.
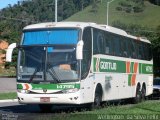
x=87, y=52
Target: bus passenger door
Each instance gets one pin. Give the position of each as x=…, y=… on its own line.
x=87, y=89
x=86, y=67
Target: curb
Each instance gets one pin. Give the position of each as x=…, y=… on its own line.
x=8, y=100
x=8, y=77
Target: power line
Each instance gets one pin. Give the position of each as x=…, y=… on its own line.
x=16, y=19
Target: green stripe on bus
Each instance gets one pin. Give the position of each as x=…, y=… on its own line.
x=129, y=79
x=50, y=86
x=116, y=66
x=132, y=67
x=107, y=65
x=140, y=66
x=146, y=69
x=19, y=86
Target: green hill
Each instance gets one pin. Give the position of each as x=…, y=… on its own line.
x=150, y=17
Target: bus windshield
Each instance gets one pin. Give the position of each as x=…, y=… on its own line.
x=51, y=60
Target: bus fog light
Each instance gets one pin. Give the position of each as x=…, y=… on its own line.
x=70, y=98
x=75, y=98
x=70, y=90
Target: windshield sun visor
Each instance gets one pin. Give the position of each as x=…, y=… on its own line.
x=55, y=36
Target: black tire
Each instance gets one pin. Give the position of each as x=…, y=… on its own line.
x=143, y=92
x=45, y=107
x=97, y=99
x=138, y=96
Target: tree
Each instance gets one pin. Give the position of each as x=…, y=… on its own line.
x=14, y=18
x=94, y=6
x=156, y=2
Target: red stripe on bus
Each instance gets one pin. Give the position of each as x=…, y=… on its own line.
x=133, y=79
x=128, y=64
x=135, y=67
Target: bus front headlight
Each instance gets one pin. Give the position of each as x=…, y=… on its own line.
x=70, y=90
x=23, y=91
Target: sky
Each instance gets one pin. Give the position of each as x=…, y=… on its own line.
x=4, y=3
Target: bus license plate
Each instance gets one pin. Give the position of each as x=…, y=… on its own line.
x=45, y=99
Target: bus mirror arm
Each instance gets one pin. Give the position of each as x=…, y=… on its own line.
x=10, y=51
x=79, y=50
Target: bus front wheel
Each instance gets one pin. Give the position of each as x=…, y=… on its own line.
x=97, y=97
x=97, y=100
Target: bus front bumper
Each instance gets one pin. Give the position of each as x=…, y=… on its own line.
x=69, y=98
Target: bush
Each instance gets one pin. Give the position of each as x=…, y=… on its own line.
x=7, y=65
x=131, y=5
x=119, y=8
x=124, y=4
x=128, y=10
x=138, y=9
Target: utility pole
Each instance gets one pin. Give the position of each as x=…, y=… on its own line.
x=55, y=10
x=108, y=10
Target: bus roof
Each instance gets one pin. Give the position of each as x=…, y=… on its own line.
x=83, y=25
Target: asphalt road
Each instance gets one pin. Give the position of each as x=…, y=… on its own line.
x=16, y=111
x=7, y=85
x=15, y=107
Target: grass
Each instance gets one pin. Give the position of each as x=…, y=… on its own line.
x=150, y=17
x=145, y=110
x=11, y=95
x=148, y=109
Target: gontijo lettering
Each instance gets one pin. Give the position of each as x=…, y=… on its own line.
x=108, y=65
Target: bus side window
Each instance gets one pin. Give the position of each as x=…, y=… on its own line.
x=95, y=42
x=112, y=45
x=123, y=48
x=136, y=48
x=117, y=45
x=140, y=51
x=131, y=48
x=145, y=51
x=95, y=50
x=134, y=52
x=108, y=44
x=150, y=52
x=101, y=43
x=98, y=42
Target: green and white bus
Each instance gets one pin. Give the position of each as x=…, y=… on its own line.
x=77, y=63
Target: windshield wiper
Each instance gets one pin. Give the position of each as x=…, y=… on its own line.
x=53, y=74
x=33, y=75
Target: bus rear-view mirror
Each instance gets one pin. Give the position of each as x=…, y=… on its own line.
x=79, y=50
x=10, y=51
